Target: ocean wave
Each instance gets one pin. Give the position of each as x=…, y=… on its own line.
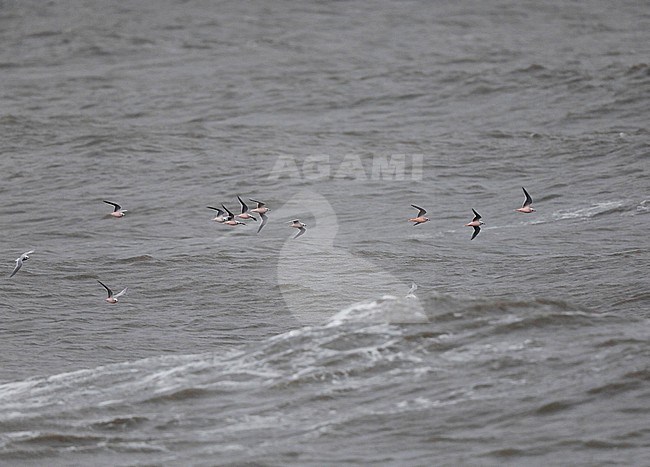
x=429, y=352
x=597, y=209
x=643, y=206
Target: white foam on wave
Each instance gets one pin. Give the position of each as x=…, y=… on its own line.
x=587, y=212
x=387, y=309
x=643, y=206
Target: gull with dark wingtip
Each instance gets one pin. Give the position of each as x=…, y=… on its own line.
x=261, y=209
x=230, y=218
x=117, y=211
x=112, y=298
x=476, y=223
x=244, y=211
x=526, y=207
x=221, y=216
x=420, y=219
x=19, y=262
x=298, y=225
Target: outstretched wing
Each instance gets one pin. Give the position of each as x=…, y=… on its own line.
x=300, y=232
x=230, y=214
x=264, y=218
x=528, y=201
x=115, y=205
x=477, y=229
x=110, y=292
x=244, y=208
x=19, y=264
x=421, y=212
x=121, y=293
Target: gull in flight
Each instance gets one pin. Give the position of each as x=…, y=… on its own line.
x=298, y=225
x=221, y=216
x=476, y=223
x=244, y=211
x=420, y=219
x=19, y=262
x=112, y=298
x=230, y=219
x=526, y=207
x=117, y=211
x=261, y=209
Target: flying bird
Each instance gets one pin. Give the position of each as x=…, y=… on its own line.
x=117, y=211
x=230, y=218
x=221, y=216
x=112, y=298
x=300, y=226
x=261, y=209
x=19, y=262
x=476, y=223
x=526, y=207
x=420, y=219
x=244, y=211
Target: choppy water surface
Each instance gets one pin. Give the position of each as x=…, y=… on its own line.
x=525, y=346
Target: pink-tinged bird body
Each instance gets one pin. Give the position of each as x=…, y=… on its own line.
x=296, y=224
x=221, y=216
x=526, y=207
x=117, y=209
x=476, y=224
x=261, y=209
x=234, y=222
x=112, y=298
x=419, y=219
x=230, y=218
x=244, y=211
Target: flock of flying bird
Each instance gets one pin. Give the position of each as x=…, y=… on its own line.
x=225, y=216
x=476, y=222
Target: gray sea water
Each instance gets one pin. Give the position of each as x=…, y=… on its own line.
x=528, y=345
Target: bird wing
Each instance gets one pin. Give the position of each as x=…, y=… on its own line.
x=230, y=214
x=26, y=255
x=244, y=208
x=19, y=264
x=117, y=206
x=528, y=201
x=264, y=218
x=110, y=292
x=421, y=212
